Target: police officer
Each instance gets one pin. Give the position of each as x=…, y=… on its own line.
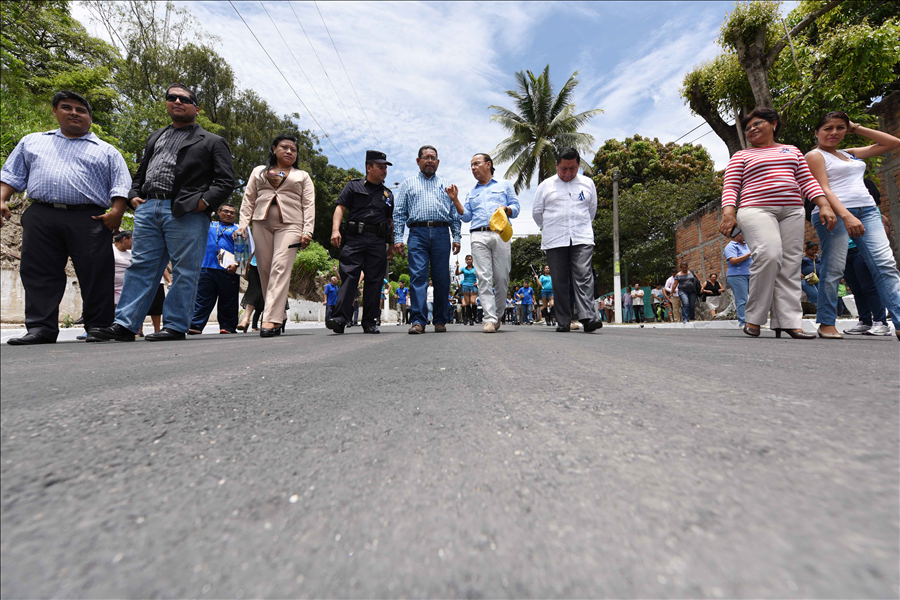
x=365, y=235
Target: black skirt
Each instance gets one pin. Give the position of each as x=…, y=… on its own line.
x=254, y=294
x=157, y=307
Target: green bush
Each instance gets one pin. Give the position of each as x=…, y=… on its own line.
x=313, y=260
x=405, y=279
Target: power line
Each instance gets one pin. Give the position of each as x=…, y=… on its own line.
x=702, y=136
x=321, y=64
x=288, y=82
x=340, y=131
x=692, y=130
x=347, y=74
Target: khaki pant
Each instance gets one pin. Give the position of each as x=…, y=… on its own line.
x=675, y=315
x=275, y=260
x=775, y=237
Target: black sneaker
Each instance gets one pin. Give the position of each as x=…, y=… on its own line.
x=591, y=325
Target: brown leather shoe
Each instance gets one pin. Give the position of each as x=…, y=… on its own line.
x=416, y=329
x=440, y=329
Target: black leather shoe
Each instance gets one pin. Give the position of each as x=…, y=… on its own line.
x=165, y=335
x=371, y=329
x=267, y=333
x=563, y=329
x=335, y=325
x=114, y=332
x=90, y=337
x=591, y=325
x=29, y=339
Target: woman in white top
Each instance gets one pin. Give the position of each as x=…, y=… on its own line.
x=841, y=174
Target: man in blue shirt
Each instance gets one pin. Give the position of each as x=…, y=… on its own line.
x=331, y=296
x=423, y=205
x=401, y=294
x=527, y=296
x=217, y=283
x=72, y=178
x=739, y=258
x=490, y=254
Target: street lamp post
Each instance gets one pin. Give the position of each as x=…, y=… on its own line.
x=617, y=271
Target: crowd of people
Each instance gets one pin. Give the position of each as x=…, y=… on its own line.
x=80, y=188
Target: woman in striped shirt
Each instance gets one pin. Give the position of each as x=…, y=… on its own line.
x=771, y=180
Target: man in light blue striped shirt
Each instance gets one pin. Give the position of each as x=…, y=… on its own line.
x=422, y=204
x=72, y=177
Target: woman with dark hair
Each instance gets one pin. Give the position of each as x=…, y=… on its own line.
x=280, y=200
x=469, y=290
x=771, y=179
x=841, y=173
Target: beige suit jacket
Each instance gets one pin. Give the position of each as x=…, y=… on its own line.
x=296, y=198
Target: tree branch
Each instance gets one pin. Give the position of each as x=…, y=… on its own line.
x=808, y=20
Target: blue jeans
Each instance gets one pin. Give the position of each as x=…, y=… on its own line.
x=875, y=251
x=628, y=315
x=688, y=303
x=740, y=287
x=430, y=306
x=860, y=282
x=428, y=245
x=158, y=238
x=526, y=313
x=812, y=292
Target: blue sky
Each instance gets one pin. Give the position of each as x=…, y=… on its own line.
x=427, y=72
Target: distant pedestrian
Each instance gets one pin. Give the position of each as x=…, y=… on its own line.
x=219, y=285
x=185, y=173
x=469, y=287
x=739, y=258
x=527, y=294
x=564, y=208
x=424, y=207
x=331, y=297
x=671, y=292
x=637, y=300
x=711, y=292
x=657, y=299
x=402, y=307
x=810, y=267
x=77, y=184
x=627, y=306
x=546, y=283
x=429, y=294
x=688, y=288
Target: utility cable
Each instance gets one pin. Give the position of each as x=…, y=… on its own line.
x=321, y=64
x=692, y=130
x=347, y=74
x=325, y=106
x=288, y=82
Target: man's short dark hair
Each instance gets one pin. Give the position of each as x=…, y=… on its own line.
x=568, y=154
x=227, y=205
x=424, y=148
x=487, y=158
x=67, y=95
x=185, y=88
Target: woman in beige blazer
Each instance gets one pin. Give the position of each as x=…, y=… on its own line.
x=280, y=200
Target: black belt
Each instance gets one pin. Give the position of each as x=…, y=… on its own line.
x=429, y=224
x=158, y=196
x=68, y=206
x=360, y=227
x=480, y=229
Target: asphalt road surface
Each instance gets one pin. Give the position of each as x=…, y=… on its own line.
x=626, y=463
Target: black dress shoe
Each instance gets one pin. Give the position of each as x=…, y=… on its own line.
x=165, y=335
x=563, y=328
x=371, y=329
x=29, y=339
x=90, y=337
x=114, y=332
x=591, y=325
x=335, y=325
x=267, y=333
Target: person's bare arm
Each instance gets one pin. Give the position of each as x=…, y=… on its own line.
x=336, y=225
x=6, y=191
x=884, y=142
x=816, y=163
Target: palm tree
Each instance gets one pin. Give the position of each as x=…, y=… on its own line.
x=543, y=125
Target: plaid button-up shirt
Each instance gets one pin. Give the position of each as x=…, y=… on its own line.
x=422, y=199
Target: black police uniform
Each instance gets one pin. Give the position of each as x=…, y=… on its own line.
x=364, y=234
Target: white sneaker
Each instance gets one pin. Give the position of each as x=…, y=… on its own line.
x=488, y=328
x=858, y=329
x=879, y=329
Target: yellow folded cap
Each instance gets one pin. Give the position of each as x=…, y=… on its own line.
x=501, y=224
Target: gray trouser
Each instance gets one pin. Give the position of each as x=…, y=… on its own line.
x=576, y=258
x=491, y=256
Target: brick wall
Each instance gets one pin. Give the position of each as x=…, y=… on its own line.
x=699, y=243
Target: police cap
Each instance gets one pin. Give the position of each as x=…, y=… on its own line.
x=377, y=157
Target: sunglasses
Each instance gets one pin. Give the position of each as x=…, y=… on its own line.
x=184, y=99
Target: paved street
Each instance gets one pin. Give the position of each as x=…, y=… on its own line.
x=627, y=463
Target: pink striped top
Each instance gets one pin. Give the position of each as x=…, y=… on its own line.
x=772, y=176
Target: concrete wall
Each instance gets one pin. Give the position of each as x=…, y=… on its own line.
x=12, y=298
x=699, y=243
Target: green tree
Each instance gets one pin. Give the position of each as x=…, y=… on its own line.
x=832, y=55
x=540, y=125
x=641, y=160
x=527, y=258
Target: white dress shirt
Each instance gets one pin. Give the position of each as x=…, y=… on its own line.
x=564, y=211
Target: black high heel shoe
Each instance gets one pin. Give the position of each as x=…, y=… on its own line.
x=797, y=335
x=283, y=325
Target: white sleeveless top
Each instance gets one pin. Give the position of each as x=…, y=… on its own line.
x=846, y=179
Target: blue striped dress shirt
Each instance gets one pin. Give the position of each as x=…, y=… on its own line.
x=61, y=170
x=422, y=199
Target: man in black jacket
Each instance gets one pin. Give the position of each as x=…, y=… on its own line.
x=185, y=174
